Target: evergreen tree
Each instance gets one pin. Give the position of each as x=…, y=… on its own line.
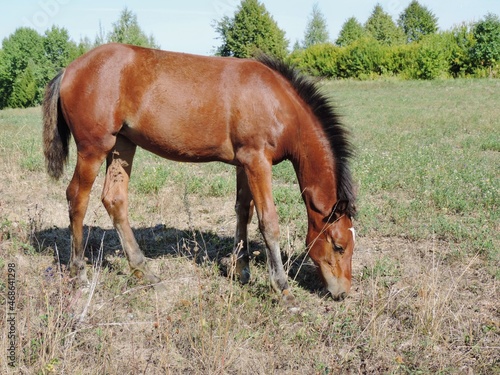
x=417, y=21
x=250, y=30
x=381, y=26
x=100, y=37
x=24, y=90
x=317, y=29
x=351, y=31
x=127, y=30
x=84, y=45
x=297, y=46
x=4, y=78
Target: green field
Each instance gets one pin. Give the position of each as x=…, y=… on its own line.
x=428, y=163
x=426, y=268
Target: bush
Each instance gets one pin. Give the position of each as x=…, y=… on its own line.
x=447, y=54
x=432, y=58
x=463, y=41
x=400, y=60
x=318, y=60
x=361, y=59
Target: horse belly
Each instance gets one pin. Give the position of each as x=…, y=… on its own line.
x=180, y=141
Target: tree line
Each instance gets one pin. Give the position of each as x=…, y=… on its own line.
x=409, y=48
x=29, y=60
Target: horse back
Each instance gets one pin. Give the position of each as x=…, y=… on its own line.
x=180, y=106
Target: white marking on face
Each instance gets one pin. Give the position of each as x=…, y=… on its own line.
x=353, y=233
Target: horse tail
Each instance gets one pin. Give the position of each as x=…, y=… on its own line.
x=56, y=133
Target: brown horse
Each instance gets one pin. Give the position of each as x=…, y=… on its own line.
x=251, y=114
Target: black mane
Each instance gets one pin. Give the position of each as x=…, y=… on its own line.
x=336, y=133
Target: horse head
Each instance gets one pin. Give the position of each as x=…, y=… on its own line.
x=331, y=247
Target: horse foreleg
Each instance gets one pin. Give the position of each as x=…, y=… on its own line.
x=259, y=174
x=244, y=211
x=77, y=194
x=115, y=199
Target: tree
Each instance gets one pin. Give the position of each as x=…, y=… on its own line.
x=317, y=29
x=417, y=21
x=486, y=51
x=297, y=46
x=59, y=50
x=100, y=37
x=25, y=90
x=19, y=48
x=251, y=30
x=84, y=45
x=29, y=60
x=351, y=31
x=127, y=30
x=23, y=62
x=381, y=26
x=4, y=78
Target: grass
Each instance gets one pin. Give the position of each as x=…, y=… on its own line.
x=426, y=267
x=427, y=165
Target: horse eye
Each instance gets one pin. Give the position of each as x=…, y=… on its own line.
x=338, y=249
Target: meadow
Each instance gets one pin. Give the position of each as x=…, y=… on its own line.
x=425, y=270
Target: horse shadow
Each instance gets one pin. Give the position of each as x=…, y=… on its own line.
x=101, y=245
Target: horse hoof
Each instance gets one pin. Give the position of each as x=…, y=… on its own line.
x=81, y=286
x=147, y=276
x=339, y=297
x=81, y=282
x=85, y=289
x=233, y=267
x=290, y=301
x=244, y=275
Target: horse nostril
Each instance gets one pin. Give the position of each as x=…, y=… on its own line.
x=339, y=297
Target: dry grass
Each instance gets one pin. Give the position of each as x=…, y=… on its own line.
x=419, y=305
x=410, y=312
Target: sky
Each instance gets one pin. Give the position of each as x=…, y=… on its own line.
x=187, y=26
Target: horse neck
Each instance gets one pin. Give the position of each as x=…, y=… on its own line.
x=315, y=168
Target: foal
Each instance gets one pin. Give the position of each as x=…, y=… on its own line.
x=251, y=114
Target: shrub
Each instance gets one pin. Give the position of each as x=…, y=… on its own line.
x=432, y=58
x=400, y=59
x=361, y=59
x=318, y=60
x=463, y=41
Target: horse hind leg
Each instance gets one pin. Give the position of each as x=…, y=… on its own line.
x=244, y=210
x=77, y=194
x=115, y=200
